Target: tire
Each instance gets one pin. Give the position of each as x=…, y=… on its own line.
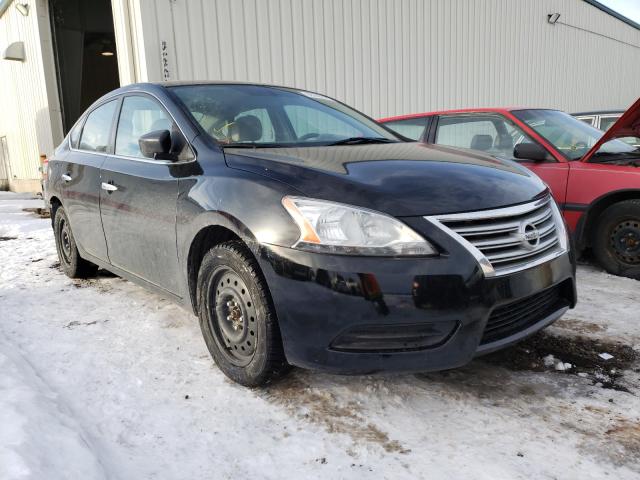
x=73, y=265
x=237, y=317
x=616, y=241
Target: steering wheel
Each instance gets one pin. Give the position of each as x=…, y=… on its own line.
x=309, y=136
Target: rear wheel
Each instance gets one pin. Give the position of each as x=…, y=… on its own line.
x=616, y=242
x=237, y=317
x=73, y=265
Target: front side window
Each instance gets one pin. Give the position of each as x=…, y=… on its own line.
x=139, y=115
x=97, y=128
x=569, y=136
x=254, y=115
x=412, y=128
x=493, y=134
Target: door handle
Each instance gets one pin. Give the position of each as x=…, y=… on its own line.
x=66, y=178
x=108, y=187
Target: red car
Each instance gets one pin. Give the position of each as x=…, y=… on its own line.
x=594, y=176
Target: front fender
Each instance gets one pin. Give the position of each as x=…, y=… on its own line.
x=247, y=204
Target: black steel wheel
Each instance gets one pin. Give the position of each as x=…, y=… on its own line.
x=616, y=242
x=625, y=241
x=73, y=265
x=234, y=322
x=237, y=317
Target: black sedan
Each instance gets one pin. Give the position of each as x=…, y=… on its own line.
x=301, y=232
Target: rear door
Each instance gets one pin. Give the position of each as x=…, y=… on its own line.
x=139, y=196
x=89, y=145
x=497, y=135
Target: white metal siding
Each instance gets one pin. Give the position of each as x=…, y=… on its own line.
x=389, y=57
x=30, y=117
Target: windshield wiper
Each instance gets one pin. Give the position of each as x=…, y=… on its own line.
x=361, y=141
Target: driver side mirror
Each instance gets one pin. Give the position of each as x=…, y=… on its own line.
x=156, y=145
x=531, y=151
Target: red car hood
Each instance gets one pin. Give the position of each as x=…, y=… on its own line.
x=628, y=125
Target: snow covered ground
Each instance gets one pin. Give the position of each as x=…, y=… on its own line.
x=100, y=379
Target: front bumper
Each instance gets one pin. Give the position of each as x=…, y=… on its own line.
x=330, y=306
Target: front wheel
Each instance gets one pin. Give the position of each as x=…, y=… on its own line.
x=616, y=242
x=73, y=265
x=237, y=317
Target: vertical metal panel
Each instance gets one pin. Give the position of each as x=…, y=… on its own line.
x=30, y=118
x=397, y=56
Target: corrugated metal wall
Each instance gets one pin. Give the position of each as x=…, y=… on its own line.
x=389, y=57
x=29, y=106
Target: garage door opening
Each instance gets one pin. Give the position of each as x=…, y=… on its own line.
x=85, y=54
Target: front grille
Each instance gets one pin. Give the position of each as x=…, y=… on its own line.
x=514, y=317
x=507, y=240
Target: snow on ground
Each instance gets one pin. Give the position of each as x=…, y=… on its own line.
x=101, y=379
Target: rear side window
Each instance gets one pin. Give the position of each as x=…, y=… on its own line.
x=97, y=128
x=412, y=128
x=139, y=115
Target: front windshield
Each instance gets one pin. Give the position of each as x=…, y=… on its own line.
x=262, y=116
x=570, y=136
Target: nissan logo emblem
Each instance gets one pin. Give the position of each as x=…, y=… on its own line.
x=530, y=235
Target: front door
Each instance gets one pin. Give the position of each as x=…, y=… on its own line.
x=138, y=199
x=89, y=143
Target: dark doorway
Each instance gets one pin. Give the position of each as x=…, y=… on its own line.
x=85, y=51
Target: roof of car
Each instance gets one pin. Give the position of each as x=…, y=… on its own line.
x=152, y=85
x=599, y=112
x=460, y=110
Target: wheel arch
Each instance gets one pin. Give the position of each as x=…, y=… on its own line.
x=54, y=204
x=588, y=221
x=206, y=238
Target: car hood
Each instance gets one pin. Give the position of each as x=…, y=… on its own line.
x=628, y=125
x=401, y=179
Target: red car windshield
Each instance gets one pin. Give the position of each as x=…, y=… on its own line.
x=570, y=136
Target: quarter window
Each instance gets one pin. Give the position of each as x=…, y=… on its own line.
x=412, y=128
x=97, y=128
x=139, y=116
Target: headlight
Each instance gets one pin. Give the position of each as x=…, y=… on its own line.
x=336, y=228
x=561, y=226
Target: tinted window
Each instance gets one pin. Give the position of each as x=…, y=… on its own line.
x=412, y=128
x=97, y=128
x=493, y=134
x=139, y=115
x=274, y=116
x=74, y=134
